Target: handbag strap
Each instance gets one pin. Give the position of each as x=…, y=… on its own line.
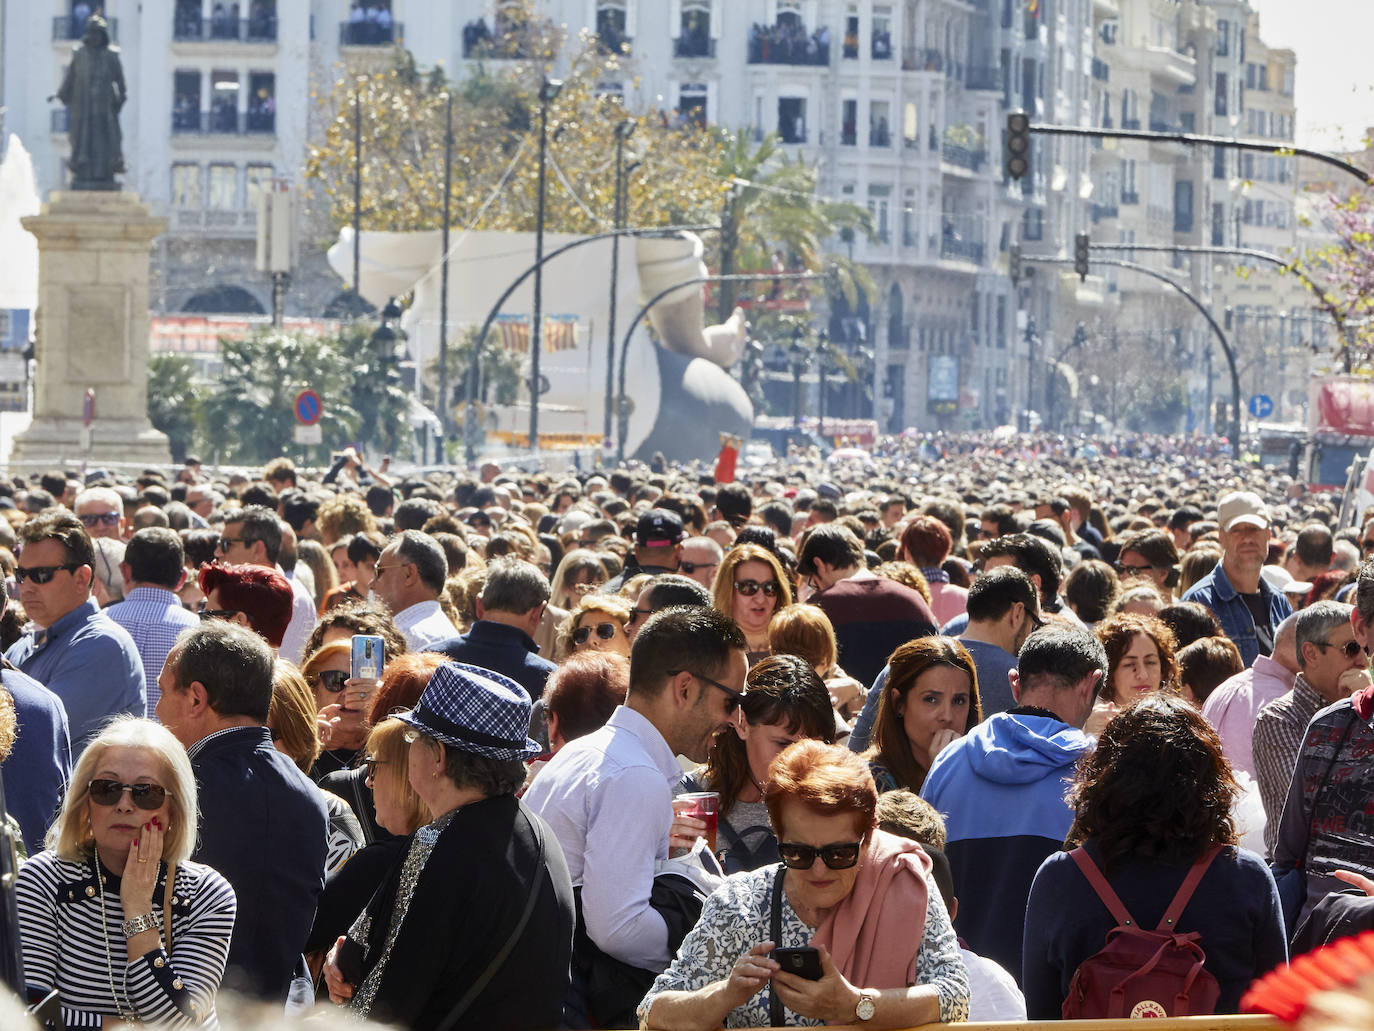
x=499, y=960
x=168, y=890
x=1099, y=884
x=775, y=1017
x=1186, y=889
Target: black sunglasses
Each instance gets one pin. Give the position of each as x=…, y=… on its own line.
x=370, y=763
x=1350, y=649
x=691, y=567
x=225, y=543
x=1126, y=570
x=840, y=856
x=749, y=588
x=93, y=519
x=605, y=631
x=145, y=796
x=733, y=697
x=332, y=680
x=42, y=574
x=217, y=613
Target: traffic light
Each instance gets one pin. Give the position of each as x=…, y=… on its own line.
x=1080, y=255
x=1018, y=144
x=1014, y=262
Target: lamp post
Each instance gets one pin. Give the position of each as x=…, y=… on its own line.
x=444, y=402
x=797, y=356
x=623, y=131
x=547, y=94
x=357, y=189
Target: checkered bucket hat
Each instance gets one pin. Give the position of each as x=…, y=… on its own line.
x=475, y=710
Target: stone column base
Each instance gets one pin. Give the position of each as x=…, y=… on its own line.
x=112, y=442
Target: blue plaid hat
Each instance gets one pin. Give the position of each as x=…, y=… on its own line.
x=475, y=710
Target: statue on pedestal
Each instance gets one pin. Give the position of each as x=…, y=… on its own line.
x=94, y=91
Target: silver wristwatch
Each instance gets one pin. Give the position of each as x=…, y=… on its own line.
x=867, y=1006
x=139, y=924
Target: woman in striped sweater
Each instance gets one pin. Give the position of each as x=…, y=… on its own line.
x=96, y=918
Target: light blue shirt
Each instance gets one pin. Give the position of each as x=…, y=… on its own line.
x=91, y=663
x=154, y=618
x=609, y=799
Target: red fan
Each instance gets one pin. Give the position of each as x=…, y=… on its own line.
x=1286, y=991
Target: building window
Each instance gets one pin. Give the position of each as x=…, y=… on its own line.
x=262, y=102
x=878, y=201
x=1220, y=103
x=224, y=101
x=369, y=24
x=258, y=179
x=879, y=124
x=186, y=101
x=849, y=119
x=611, y=22
x=1033, y=225
x=1183, y=206
x=692, y=104
x=880, y=45
x=694, y=32
x=1223, y=38
x=224, y=187
x=851, y=37
x=910, y=128
x=792, y=118
x=186, y=186
x=909, y=219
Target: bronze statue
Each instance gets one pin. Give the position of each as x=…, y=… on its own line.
x=94, y=92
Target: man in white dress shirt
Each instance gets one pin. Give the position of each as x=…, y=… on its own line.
x=608, y=796
x=252, y=536
x=409, y=578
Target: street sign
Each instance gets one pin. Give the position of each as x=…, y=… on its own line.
x=312, y=433
x=308, y=408
x=1261, y=406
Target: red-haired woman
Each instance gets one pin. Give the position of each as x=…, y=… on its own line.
x=862, y=897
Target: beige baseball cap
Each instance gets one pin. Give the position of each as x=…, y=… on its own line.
x=1241, y=508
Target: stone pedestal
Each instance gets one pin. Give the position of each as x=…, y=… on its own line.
x=93, y=271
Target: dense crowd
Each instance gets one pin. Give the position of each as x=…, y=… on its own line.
x=901, y=736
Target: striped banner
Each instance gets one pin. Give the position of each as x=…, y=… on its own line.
x=560, y=333
x=515, y=333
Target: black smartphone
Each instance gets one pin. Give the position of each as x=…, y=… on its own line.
x=804, y=962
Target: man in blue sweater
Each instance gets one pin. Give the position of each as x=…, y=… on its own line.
x=1001, y=787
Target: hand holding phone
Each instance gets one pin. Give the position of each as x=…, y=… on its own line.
x=803, y=961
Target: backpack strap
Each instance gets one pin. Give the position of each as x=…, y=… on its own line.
x=775, y=1014
x=1104, y=890
x=1186, y=889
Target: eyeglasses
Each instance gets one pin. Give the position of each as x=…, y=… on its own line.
x=605, y=631
x=636, y=614
x=749, y=588
x=1350, y=649
x=1126, y=570
x=839, y=856
x=691, y=567
x=42, y=574
x=332, y=680
x=109, y=792
x=370, y=763
x=733, y=697
x=378, y=570
x=225, y=543
x=93, y=519
x=217, y=613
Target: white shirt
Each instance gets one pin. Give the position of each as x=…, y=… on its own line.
x=609, y=799
x=992, y=992
x=423, y=624
x=302, y=621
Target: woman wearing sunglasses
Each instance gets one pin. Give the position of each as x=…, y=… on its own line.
x=342, y=703
x=597, y=622
x=862, y=898
x=113, y=915
x=750, y=586
x=784, y=701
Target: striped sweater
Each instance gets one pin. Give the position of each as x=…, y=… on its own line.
x=59, y=922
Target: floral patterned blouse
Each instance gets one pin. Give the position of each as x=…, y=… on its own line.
x=736, y=918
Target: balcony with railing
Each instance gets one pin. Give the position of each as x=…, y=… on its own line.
x=195, y=29
x=1129, y=198
x=881, y=47
x=849, y=135
x=370, y=33
x=68, y=27
x=1103, y=212
x=955, y=248
x=224, y=122
x=879, y=136
x=694, y=46
x=214, y=221
x=922, y=59
x=985, y=77
x=963, y=156
x=789, y=43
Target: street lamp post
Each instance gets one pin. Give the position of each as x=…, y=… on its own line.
x=444, y=402
x=623, y=131
x=357, y=189
x=548, y=92
x=797, y=353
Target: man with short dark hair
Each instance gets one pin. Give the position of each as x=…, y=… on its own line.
x=73, y=649
x=263, y=825
x=409, y=577
x=502, y=637
x=872, y=616
x=1311, y=553
x=608, y=796
x=734, y=504
x=253, y=536
x=1179, y=521
x=1001, y=786
x=153, y=570
x=665, y=591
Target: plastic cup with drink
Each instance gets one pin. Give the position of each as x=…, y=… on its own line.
x=703, y=806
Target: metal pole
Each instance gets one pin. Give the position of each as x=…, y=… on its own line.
x=444, y=401
x=536, y=321
x=1030, y=372
x=278, y=297
x=615, y=280
x=357, y=188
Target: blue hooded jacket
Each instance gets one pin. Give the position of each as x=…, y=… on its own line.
x=1001, y=791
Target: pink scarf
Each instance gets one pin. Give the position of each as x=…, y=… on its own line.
x=874, y=934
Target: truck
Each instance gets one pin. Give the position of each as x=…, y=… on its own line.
x=1340, y=415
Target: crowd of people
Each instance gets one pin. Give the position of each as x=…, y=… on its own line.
x=787, y=42
x=899, y=739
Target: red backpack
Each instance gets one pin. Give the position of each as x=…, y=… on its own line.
x=1141, y=973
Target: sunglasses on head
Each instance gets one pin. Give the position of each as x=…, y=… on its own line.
x=749, y=588
x=605, y=631
x=93, y=519
x=840, y=856
x=332, y=680
x=691, y=567
x=42, y=574
x=145, y=796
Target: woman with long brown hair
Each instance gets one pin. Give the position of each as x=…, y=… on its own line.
x=930, y=698
x=750, y=586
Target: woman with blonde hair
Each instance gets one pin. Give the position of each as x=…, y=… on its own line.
x=114, y=915
x=750, y=586
x=342, y=703
x=598, y=622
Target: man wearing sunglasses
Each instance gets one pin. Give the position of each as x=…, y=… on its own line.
x=101, y=511
x=1332, y=667
x=253, y=536
x=73, y=648
x=608, y=796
